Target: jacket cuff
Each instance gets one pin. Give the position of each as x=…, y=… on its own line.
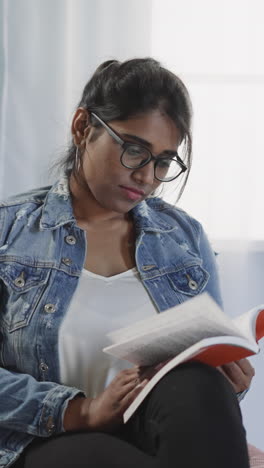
x=53, y=408
x=240, y=395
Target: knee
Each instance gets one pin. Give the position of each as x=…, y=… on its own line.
x=195, y=381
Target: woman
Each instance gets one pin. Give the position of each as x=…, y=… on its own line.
x=96, y=251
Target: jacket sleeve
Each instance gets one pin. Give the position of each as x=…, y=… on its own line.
x=29, y=406
x=210, y=265
x=32, y=407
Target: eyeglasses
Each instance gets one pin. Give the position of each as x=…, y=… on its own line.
x=134, y=156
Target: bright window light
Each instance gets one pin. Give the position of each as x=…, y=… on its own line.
x=216, y=48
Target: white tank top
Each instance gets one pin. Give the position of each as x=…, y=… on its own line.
x=99, y=305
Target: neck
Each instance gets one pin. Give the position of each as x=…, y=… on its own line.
x=87, y=210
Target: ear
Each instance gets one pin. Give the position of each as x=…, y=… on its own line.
x=80, y=125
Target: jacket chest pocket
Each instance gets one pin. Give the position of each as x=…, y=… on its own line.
x=189, y=280
x=21, y=289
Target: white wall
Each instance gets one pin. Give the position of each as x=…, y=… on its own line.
x=241, y=269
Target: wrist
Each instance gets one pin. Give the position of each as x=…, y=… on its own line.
x=76, y=414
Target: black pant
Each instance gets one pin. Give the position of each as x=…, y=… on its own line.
x=190, y=419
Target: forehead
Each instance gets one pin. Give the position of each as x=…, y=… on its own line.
x=154, y=126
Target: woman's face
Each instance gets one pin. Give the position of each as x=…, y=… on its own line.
x=113, y=186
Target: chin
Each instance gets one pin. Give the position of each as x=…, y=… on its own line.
x=121, y=207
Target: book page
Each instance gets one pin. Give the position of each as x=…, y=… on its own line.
x=185, y=312
x=213, y=351
x=163, y=336
x=251, y=323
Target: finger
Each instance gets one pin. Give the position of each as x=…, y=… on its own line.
x=126, y=376
x=130, y=396
x=246, y=367
x=128, y=372
x=127, y=388
x=226, y=376
x=236, y=375
x=236, y=388
x=233, y=371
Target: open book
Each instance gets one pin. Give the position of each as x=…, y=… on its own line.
x=196, y=330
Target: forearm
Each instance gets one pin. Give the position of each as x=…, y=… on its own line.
x=32, y=407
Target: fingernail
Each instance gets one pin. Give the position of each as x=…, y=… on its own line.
x=144, y=382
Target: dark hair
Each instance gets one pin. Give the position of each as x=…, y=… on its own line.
x=120, y=90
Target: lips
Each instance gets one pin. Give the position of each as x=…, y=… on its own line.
x=132, y=189
x=132, y=193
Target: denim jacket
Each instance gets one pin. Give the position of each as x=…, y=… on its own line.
x=42, y=254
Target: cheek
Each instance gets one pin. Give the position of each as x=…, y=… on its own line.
x=102, y=166
x=156, y=184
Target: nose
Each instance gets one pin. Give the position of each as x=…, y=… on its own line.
x=144, y=175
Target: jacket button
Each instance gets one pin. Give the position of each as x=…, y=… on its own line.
x=71, y=240
x=50, y=308
x=43, y=367
x=193, y=285
x=67, y=261
x=19, y=281
x=50, y=426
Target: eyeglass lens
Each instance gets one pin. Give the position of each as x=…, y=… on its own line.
x=166, y=168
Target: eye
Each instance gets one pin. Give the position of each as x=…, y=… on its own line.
x=135, y=150
x=164, y=162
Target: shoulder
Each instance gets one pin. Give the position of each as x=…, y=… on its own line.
x=35, y=196
x=19, y=207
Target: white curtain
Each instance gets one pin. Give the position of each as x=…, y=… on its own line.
x=49, y=49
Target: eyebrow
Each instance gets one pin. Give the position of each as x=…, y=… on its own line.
x=148, y=144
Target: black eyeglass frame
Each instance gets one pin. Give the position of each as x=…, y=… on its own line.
x=125, y=144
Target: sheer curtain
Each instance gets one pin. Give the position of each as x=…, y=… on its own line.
x=50, y=47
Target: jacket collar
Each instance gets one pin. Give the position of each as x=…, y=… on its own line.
x=147, y=216
x=57, y=210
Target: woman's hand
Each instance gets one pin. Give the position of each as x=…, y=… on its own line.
x=104, y=413
x=239, y=373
